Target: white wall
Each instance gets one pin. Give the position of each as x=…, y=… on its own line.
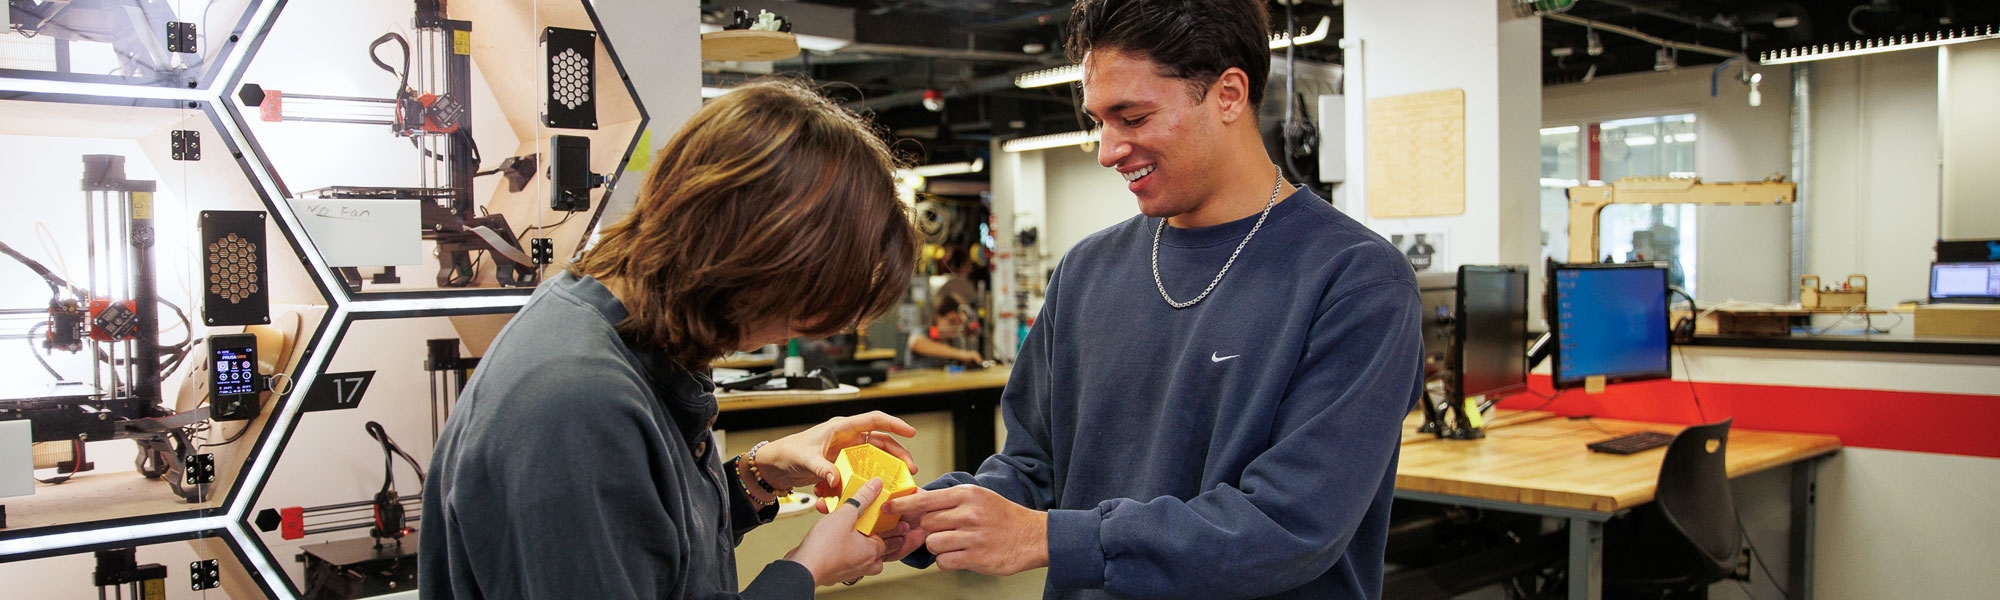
x=1872, y=188
x=1495, y=58
x=1971, y=82
x=1744, y=252
x=1083, y=197
x=659, y=42
x=1892, y=523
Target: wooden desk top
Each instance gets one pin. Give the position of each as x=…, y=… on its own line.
x=911, y=382
x=1502, y=418
x=1544, y=463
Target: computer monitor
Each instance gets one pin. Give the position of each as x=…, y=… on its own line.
x=1965, y=282
x=1438, y=291
x=1609, y=321
x=1490, y=331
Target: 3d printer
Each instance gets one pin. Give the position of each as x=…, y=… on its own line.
x=431, y=107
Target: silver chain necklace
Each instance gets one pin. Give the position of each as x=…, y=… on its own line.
x=1280, y=184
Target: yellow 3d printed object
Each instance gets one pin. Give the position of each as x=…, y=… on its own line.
x=860, y=463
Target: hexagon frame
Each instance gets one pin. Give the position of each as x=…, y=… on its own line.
x=349, y=308
x=228, y=521
x=62, y=538
x=613, y=166
x=219, y=63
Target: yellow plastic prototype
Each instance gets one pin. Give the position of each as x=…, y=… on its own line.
x=860, y=463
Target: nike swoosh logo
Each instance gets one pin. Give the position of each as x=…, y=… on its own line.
x=1213, y=356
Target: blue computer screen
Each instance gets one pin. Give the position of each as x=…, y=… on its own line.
x=1610, y=322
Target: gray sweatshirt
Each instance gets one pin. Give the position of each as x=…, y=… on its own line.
x=577, y=466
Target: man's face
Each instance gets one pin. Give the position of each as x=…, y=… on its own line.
x=1155, y=133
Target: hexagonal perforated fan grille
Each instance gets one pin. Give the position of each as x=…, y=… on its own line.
x=571, y=78
x=232, y=268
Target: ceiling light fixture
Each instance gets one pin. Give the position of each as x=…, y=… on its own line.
x=1318, y=34
x=1048, y=77
x=1664, y=61
x=1592, y=45
x=1054, y=140
x=1879, y=45
x=956, y=168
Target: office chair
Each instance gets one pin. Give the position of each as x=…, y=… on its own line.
x=1688, y=537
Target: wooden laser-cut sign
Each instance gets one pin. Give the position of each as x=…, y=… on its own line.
x=1416, y=155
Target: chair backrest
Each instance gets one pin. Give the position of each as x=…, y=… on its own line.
x=1694, y=495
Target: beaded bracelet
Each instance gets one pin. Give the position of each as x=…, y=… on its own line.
x=752, y=459
x=745, y=482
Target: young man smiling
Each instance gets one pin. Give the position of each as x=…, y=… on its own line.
x=1210, y=403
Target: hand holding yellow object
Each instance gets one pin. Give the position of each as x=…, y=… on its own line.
x=861, y=462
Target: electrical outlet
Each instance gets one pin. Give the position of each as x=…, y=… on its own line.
x=1743, y=566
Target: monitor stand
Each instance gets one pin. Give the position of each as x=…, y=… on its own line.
x=1453, y=420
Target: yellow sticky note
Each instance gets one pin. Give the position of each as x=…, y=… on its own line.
x=461, y=42
x=1593, y=384
x=1472, y=412
x=642, y=156
x=862, y=462
x=142, y=205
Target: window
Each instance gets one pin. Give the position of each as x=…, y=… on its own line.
x=1605, y=152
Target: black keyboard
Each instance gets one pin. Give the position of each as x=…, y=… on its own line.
x=1631, y=443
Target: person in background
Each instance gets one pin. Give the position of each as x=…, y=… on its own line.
x=947, y=329
x=1210, y=402
x=579, y=462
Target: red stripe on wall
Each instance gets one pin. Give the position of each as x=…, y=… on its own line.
x=1961, y=424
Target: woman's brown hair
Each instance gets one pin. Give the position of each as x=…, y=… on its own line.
x=771, y=205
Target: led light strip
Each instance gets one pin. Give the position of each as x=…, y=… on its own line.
x=1074, y=73
x=1879, y=45
x=1054, y=140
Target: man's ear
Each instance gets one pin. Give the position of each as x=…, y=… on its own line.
x=1232, y=95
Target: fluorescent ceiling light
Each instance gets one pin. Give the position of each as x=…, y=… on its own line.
x=1564, y=130
x=1879, y=45
x=1055, y=140
x=1685, y=138
x=1318, y=34
x=1048, y=77
x=1549, y=182
x=956, y=168
x=1074, y=73
x=1641, y=140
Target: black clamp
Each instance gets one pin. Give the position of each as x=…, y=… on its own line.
x=186, y=144
x=181, y=37
x=542, y=250
x=204, y=575
x=200, y=470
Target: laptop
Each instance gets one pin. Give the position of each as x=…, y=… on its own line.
x=1965, y=282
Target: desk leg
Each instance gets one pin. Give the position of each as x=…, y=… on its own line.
x=972, y=431
x=1586, y=559
x=1805, y=511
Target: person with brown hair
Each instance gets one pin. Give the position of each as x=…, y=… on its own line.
x=579, y=461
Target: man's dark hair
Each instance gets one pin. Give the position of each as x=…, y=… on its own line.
x=1191, y=40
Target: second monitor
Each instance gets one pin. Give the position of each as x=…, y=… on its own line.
x=1609, y=322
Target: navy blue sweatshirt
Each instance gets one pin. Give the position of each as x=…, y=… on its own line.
x=1244, y=447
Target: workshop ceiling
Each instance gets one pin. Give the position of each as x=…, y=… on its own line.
x=969, y=50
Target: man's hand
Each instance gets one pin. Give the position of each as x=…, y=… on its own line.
x=906, y=538
x=972, y=528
